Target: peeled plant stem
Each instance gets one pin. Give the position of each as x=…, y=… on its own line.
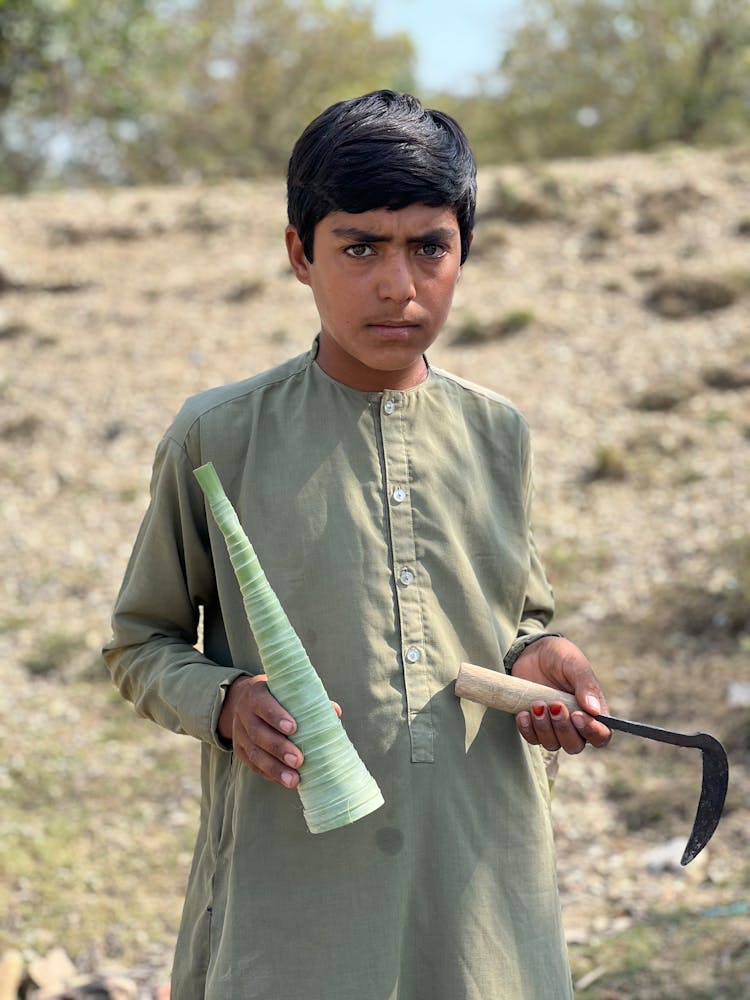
x=335, y=786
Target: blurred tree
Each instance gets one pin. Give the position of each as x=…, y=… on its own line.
x=264, y=68
x=25, y=26
x=591, y=76
x=136, y=91
x=77, y=76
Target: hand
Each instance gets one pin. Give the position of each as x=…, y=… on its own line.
x=258, y=727
x=559, y=663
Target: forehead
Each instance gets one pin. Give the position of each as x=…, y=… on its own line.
x=412, y=221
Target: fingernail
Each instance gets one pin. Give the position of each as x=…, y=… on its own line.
x=538, y=710
x=292, y=759
x=593, y=704
x=287, y=778
x=578, y=719
x=286, y=726
x=524, y=720
x=555, y=708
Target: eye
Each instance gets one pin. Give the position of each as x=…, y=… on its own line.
x=432, y=250
x=359, y=250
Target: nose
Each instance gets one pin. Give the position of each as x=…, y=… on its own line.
x=396, y=280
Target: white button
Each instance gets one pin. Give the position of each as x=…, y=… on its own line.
x=413, y=655
x=399, y=494
x=389, y=406
x=406, y=577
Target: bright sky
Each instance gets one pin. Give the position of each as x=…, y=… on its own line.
x=455, y=39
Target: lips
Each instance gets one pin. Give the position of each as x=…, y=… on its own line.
x=393, y=327
x=395, y=332
x=396, y=324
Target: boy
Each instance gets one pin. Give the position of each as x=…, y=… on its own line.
x=389, y=504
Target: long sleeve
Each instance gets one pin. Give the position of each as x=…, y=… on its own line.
x=539, y=603
x=152, y=655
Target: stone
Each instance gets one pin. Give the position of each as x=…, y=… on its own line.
x=12, y=969
x=738, y=694
x=53, y=972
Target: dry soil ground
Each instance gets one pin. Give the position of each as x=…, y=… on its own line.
x=610, y=300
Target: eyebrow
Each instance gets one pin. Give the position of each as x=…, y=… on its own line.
x=442, y=234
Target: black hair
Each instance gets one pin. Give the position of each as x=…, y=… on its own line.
x=380, y=150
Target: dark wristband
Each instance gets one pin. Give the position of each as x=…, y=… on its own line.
x=521, y=644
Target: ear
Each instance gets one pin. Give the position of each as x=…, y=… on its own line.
x=298, y=260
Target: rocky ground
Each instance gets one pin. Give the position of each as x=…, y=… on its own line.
x=610, y=299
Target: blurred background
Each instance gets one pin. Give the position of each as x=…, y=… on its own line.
x=164, y=91
x=143, y=145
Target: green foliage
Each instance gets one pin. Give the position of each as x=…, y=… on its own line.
x=53, y=653
x=585, y=77
x=136, y=91
x=472, y=331
x=77, y=78
x=610, y=462
x=268, y=67
x=143, y=91
x=25, y=27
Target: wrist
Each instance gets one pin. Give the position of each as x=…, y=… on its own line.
x=522, y=644
x=225, y=723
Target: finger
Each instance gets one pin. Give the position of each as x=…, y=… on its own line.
x=267, y=766
x=591, y=699
x=545, y=733
x=267, y=708
x=568, y=736
x=337, y=707
x=588, y=693
x=526, y=729
x=255, y=732
x=593, y=731
x=266, y=751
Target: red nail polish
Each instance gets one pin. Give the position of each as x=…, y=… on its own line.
x=555, y=708
x=538, y=711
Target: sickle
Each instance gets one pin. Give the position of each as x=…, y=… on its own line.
x=511, y=694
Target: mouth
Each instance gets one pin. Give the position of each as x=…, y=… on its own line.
x=393, y=327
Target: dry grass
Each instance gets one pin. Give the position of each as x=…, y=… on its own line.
x=116, y=305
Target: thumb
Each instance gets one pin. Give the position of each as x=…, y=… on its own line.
x=589, y=696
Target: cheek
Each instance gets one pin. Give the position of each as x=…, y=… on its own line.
x=441, y=294
x=339, y=303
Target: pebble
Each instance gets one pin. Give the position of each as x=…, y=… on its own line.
x=12, y=969
x=665, y=857
x=738, y=695
x=53, y=976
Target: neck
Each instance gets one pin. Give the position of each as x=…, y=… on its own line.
x=353, y=373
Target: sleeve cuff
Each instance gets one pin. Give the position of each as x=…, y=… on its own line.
x=221, y=693
x=520, y=645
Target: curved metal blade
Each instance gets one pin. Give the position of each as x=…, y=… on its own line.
x=713, y=794
x=715, y=779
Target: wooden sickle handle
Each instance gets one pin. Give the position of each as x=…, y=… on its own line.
x=509, y=694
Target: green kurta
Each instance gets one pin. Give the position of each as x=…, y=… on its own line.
x=394, y=528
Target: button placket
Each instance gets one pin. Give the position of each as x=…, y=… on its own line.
x=394, y=431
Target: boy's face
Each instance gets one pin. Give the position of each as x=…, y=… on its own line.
x=383, y=283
